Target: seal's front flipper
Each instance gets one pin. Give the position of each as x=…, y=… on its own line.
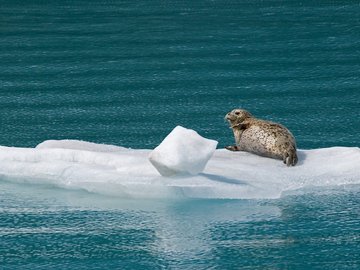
x=232, y=148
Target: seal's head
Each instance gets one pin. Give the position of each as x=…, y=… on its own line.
x=237, y=116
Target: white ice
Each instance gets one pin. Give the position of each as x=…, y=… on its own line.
x=122, y=172
x=182, y=152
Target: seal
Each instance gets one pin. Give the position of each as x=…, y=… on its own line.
x=261, y=137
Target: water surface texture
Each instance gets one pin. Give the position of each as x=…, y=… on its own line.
x=126, y=73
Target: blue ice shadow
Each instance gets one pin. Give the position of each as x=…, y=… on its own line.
x=301, y=157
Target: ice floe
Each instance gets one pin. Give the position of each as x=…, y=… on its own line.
x=122, y=172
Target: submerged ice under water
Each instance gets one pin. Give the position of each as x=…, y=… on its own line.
x=123, y=172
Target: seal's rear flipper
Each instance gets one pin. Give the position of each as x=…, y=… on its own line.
x=290, y=159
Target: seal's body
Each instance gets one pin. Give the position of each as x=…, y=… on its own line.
x=261, y=137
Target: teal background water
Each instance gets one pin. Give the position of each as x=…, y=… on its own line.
x=126, y=73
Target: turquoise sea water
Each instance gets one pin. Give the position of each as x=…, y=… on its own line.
x=126, y=73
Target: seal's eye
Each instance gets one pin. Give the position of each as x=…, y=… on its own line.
x=237, y=113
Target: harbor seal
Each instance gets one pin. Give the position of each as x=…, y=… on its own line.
x=261, y=137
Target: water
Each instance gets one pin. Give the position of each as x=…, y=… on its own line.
x=126, y=73
x=46, y=229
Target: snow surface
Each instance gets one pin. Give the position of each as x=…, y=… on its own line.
x=122, y=172
x=183, y=151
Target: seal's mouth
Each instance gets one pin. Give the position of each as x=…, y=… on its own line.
x=229, y=117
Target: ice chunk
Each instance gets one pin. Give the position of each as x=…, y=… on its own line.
x=183, y=151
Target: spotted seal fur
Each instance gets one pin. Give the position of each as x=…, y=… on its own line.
x=261, y=137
